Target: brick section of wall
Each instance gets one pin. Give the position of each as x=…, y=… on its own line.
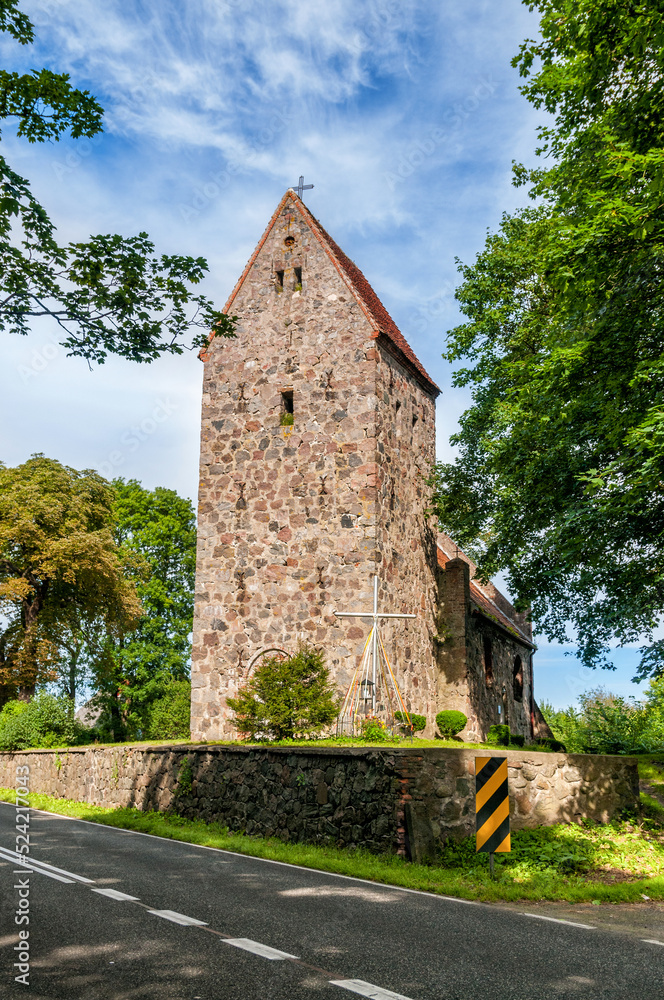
x=292, y=520
x=406, y=800
x=451, y=640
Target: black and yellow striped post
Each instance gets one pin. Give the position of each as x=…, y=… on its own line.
x=492, y=806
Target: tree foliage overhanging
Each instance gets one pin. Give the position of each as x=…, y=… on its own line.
x=110, y=294
x=559, y=478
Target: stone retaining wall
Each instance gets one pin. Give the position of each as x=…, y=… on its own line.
x=404, y=800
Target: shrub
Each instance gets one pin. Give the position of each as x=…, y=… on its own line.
x=567, y=727
x=46, y=721
x=373, y=730
x=418, y=722
x=517, y=740
x=450, y=722
x=608, y=723
x=498, y=736
x=286, y=698
x=170, y=715
x=616, y=725
x=552, y=744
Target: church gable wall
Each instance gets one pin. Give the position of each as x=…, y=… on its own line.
x=476, y=660
x=287, y=514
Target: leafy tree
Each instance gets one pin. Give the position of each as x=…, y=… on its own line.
x=286, y=698
x=170, y=714
x=561, y=454
x=60, y=568
x=655, y=696
x=156, y=532
x=110, y=294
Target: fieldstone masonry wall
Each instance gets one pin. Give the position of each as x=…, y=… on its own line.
x=405, y=800
x=295, y=520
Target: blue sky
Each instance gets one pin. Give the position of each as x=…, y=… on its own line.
x=406, y=116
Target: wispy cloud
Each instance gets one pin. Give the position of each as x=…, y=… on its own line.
x=404, y=113
x=224, y=64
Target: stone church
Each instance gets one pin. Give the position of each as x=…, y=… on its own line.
x=318, y=433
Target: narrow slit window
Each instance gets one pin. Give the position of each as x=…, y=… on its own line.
x=287, y=399
x=517, y=679
x=279, y=280
x=488, y=660
x=298, y=278
x=287, y=412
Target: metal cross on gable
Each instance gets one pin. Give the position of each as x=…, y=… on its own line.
x=376, y=615
x=302, y=187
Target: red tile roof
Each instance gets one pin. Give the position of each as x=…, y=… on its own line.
x=490, y=610
x=378, y=314
x=373, y=308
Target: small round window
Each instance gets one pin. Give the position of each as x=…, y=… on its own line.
x=290, y=241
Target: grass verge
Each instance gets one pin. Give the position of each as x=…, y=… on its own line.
x=618, y=863
x=651, y=769
x=403, y=743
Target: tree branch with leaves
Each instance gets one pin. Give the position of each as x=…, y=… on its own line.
x=110, y=294
x=559, y=479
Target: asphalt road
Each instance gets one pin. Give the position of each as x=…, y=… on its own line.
x=346, y=938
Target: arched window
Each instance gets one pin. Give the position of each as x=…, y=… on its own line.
x=517, y=679
x=488, y=660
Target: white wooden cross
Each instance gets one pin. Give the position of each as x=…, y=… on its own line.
x=376, y=615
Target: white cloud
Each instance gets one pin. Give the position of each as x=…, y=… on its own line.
x=405, y=116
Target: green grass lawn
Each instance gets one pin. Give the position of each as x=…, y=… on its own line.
x=651, y=773
x=332, y=741
x=619, y=863
x=651, y=769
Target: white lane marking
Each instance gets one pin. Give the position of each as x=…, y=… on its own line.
x=652, y=941
x=114, y=894
x=179, y=918
x=557, y=920
x=257, y=948
x=42, y=866
x=367, y=990
x=40, y=871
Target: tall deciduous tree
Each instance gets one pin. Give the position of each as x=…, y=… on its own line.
x=59, y=565
x=110, y=294
x=559, y=479
x=156, y=532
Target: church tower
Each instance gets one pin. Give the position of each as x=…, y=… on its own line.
x=317, y=435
